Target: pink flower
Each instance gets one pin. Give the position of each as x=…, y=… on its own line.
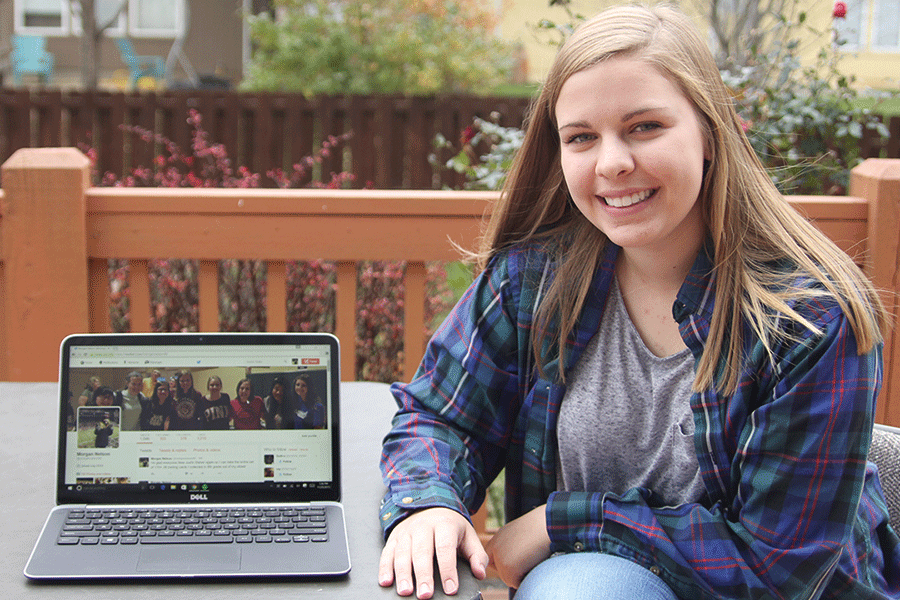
x=467, y=135
x=840, y=10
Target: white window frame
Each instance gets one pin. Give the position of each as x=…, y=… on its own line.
x=895, y=48
x=70, y=24
x=117, y=30
x=19, y=21
x=136, y=30
x=865, y=7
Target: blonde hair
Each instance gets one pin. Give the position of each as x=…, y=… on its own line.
x=751, y=225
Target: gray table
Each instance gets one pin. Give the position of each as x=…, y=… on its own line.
x=28, y=413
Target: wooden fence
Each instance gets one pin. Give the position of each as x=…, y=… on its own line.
x=57, y=233
x=392, y=136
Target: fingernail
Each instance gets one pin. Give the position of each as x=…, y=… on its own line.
x=449, y=587
x=404, y=587
x=424, y=590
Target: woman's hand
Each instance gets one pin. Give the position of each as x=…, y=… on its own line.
x=413, y=544
x=519, y=546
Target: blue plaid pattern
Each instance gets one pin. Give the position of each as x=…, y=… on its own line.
x=792, y=510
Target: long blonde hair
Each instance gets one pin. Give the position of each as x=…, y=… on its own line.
x=750, y=223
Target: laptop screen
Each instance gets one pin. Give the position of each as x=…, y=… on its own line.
x=174, y=418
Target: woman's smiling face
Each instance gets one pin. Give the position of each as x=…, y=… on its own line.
x=300, y=389
x=632, y=150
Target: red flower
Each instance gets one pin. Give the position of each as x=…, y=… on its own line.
x=840, y=10
x=467, y=135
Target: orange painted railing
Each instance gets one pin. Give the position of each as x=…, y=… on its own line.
x=57, y=232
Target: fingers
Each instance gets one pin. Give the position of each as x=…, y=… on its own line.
x=413, y=547
x=423, y=562
x=446, y=542
x=396, y=564
x=472, y=550
x=386, y=564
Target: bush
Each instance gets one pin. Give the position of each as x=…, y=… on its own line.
x=242, y=283
x=391, y=46
x=804, y=121
x=485, y=156
x=805, y=124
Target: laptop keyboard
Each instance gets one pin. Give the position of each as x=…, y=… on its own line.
x=194, y=526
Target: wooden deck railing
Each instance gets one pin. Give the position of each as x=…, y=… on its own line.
x=57, y=232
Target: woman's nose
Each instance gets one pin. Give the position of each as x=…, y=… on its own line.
x=614, y=159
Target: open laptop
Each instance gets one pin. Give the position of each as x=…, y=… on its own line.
x=194, y=483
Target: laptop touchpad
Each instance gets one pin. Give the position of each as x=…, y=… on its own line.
x=190, y=559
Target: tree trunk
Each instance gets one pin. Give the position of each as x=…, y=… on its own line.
x=90, y=47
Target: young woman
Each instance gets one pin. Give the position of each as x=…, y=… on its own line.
x=248, y=411
x=216, y=407
x=677, y=371
x=102, y=396
x=88, y=393
x=310, y=412
x=157, y=412
x=186, y=410
x=279, y=413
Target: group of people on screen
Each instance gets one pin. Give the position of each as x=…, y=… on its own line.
x=158, y=403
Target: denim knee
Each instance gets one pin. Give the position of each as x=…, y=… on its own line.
x=591, y=575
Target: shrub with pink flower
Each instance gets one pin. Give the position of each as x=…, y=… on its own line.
x=242, y=283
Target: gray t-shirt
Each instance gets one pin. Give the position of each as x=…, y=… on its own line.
x=625, y=420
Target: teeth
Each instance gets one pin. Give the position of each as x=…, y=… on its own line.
x=624, y=201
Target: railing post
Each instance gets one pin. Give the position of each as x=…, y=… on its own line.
x=276, y=295
x=44, y=251
x=208, y=294
x=139, y=295
x=878, y=181
x=414, y=318
x=346, y=317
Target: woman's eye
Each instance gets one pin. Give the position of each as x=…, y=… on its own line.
x=642, y=127
x=578, y=138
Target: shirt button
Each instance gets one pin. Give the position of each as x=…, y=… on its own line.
x=655, y=570
x=579, y=547
x=407, y=500
x=386, y=516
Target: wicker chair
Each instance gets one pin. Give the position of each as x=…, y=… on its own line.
x=885, y=453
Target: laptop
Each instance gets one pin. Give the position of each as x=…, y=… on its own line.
x=179, y=456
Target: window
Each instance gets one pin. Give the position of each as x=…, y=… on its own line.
x=850, y=30
x=40, y=17
x=156, y=18
x=103, y=12
x=145, y=18
x=885, y=27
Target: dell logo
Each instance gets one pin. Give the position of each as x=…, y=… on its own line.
x=198, y=497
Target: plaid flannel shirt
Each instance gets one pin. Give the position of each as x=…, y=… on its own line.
x=792, y=508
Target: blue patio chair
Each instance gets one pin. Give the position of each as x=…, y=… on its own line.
x=30, y=55
x=140, y=66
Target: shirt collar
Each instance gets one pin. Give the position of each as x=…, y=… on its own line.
x=696, y=295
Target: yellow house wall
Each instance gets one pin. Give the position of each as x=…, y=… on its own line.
x=872, y=69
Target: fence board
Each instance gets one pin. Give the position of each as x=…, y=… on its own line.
x=15, y=128
x=49, y=116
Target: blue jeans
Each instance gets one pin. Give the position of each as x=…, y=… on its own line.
x=590, y=576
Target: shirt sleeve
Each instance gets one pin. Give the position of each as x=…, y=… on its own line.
x=448, y=437
x=787, y=512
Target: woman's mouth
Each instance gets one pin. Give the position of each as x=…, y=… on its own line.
x=625, y=201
